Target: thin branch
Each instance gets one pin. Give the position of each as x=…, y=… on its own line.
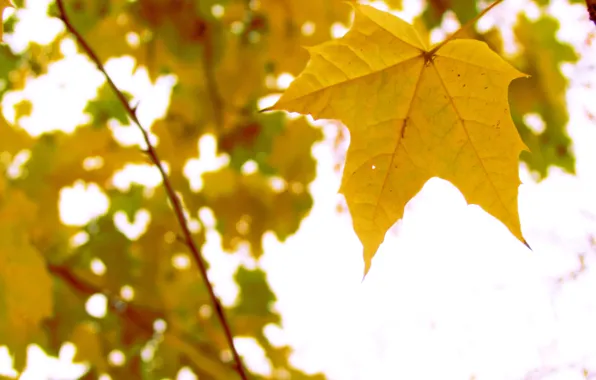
x=467, y=25
x=204, y=359
x=176, y=204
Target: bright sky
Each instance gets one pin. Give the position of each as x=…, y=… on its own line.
x=450, y=295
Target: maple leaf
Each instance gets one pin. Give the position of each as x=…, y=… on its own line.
x=413, y=113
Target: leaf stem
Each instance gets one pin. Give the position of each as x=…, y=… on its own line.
x=176, y=204
x=464, y=27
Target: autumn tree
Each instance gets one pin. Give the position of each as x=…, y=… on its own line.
x=224, y=57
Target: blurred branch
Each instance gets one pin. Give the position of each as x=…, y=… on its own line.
x=205, y=360
x=216, y=100
x=591, y=4
x=175, y=201
x=582, y=267
x=547, y=372
x=573, y=275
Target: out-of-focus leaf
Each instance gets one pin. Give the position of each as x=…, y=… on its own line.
x=247, y=206
x=543, y=93
x=39, y=57
x=129, y=202
x=8, y=63
x=106, y=106
x=85, y=336
x=290, y=157
x=85, y=14
x=465, y=10
x=14, y=138
x=256, y=298
x=252, y=140
x=3, y=5
x=290, y=25
x=24, y=302
x=394, y=4
x=183, y=28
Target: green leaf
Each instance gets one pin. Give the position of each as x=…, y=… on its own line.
x=465, y=10
x=256, y=298
x=107, y=106
x=543, y=93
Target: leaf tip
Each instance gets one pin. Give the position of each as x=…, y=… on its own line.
x=368, y=255
x=267, y=109
x=521, y=74
x=527, y=245
x=273, y=107
x=525, y=148
x=367, y=264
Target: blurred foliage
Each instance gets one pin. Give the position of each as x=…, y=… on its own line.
x=225, y=56
x=541, y=55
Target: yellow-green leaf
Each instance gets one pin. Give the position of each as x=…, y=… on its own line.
x=413, y=113
x=85, y=337
x=3, y=5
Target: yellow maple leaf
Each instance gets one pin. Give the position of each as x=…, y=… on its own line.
x=413, y=113
x=3, y=5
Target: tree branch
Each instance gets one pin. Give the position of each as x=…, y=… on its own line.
x=176, y=204
x=205, y=360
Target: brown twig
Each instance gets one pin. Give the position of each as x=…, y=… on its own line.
x=176, y=204
x=467, y=25
x=591, y=5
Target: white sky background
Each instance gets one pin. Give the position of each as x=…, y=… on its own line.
x=450, y=295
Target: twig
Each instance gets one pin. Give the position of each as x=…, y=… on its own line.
x=176, y=204
x=205, y=360
x=467, y=25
